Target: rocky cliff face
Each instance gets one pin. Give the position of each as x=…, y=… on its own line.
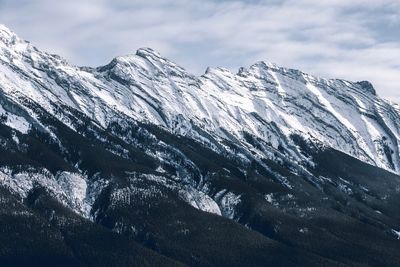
x=147, y=153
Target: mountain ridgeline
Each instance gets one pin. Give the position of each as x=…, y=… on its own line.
x=140, y=163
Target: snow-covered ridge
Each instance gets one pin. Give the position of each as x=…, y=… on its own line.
x=265, y=100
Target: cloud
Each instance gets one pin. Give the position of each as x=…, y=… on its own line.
x=354, y=40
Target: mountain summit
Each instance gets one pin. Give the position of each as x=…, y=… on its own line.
x=265, y=166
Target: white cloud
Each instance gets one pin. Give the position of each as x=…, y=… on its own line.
x=354, y=40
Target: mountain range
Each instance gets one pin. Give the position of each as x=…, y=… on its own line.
x=140, y=163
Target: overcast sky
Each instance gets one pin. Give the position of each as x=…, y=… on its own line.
x=354, y=40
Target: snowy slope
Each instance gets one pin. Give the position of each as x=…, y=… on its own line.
x=266, y=101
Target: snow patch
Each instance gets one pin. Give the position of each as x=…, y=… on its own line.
x=68, y=188
x=228, y=204
x=397, y=233
x=200, y=200
x=13, y=121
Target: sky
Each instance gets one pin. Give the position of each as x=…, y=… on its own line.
x=353, y=40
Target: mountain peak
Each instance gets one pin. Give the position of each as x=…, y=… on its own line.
x=145, y=53
x=11, y=40
x=367, y=86
x=148, y=52
x=6, y=34
x=265, y=65
x=4, y=29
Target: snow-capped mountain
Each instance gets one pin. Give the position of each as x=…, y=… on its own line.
x=271, y=148
x=149, y=88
